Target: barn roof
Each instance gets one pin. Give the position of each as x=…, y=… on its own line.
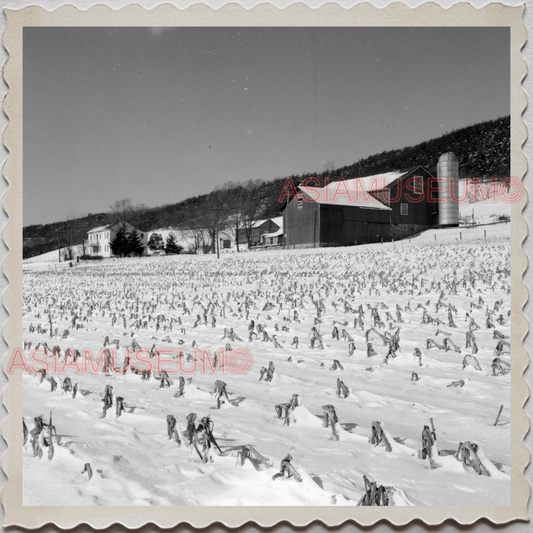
x=373, y=183
x=356, y=192
x=273, y=234
x=340, y=195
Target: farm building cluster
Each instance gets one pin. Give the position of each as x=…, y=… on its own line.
x=379, y=208
x=372, y=209
x=266, y=232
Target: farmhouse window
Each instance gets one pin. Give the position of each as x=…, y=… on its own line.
x=403, y=209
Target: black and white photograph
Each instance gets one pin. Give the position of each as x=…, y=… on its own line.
x=266, y=266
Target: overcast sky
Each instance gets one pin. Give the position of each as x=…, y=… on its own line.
x=159, y=115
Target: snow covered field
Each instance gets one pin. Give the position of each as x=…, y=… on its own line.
x=413, y=288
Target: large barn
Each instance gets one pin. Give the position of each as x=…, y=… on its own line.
x=371, y=209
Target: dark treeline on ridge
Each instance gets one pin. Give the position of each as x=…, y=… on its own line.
x=483, y=150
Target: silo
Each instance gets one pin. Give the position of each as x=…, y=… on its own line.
x=448, y=168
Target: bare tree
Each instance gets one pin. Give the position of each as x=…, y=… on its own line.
x=235, y=218
x=329, y=165
x=196, y=234
x=122, y=210
x=243, y=203
x=139, y=213
x=251, y=206
x=125, y=211
x=232, y=205
x=215, y=212
x=72, y=234
x=69, y=223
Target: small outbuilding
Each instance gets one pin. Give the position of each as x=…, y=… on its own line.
x=272, y=239
x=257, y=229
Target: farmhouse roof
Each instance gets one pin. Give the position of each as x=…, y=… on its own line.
x=160, y=230
x=110, y=226
x=99, y=228
x=278, y=221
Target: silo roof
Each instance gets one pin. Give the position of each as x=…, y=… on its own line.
x=448, y=157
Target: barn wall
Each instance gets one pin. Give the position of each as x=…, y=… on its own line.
x=300, y=225
x=421, y=211
x=346, y=226
x=332, y=225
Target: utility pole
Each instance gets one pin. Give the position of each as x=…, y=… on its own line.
x=216, y=210
x=69, y=245
x=216, y=236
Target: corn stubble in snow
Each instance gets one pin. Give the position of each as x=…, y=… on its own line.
x=377, y=375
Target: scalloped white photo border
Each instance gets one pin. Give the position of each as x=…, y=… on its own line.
x=397, y=14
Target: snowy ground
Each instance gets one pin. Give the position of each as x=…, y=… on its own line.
x=135, y=463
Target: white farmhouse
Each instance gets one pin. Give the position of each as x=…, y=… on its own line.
x=99, y=239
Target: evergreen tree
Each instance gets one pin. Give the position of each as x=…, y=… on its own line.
x=156, y=242
x=136, y=247
x=172, y=247
x=120, y=245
